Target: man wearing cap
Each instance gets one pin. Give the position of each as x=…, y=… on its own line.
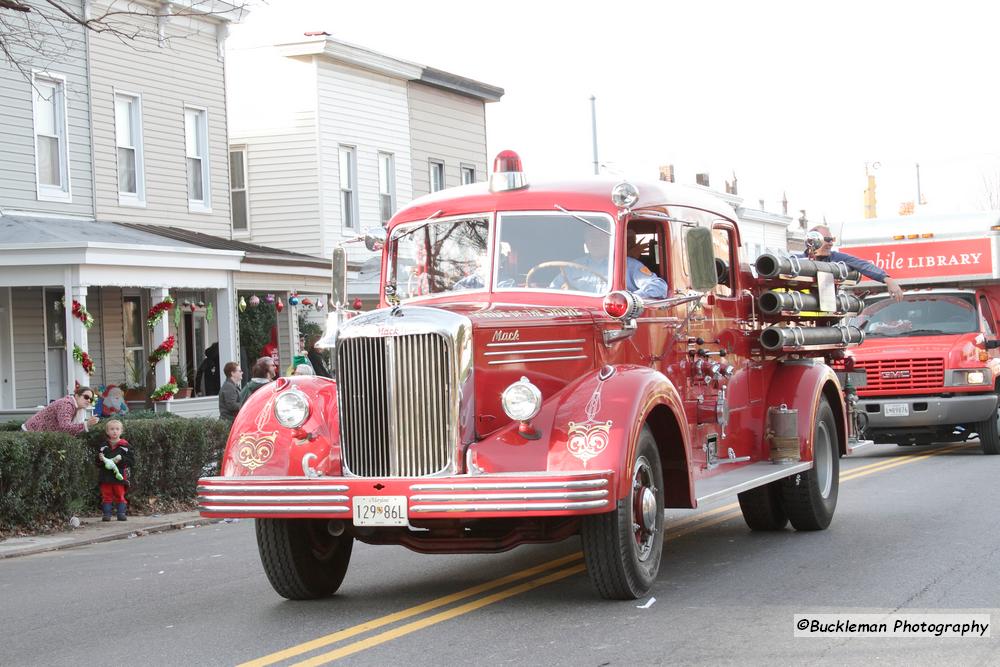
x=819, y=246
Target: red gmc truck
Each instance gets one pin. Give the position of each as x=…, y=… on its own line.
x=514, y=387
x=931, y=360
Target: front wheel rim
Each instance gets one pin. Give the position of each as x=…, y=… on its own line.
x=645, y=510
x=823, y=460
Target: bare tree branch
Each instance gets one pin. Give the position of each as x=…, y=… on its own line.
x=36, y=33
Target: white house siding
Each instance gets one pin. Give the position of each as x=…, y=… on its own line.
x=185, y=71
x=448, y=127
x=18, y=190
x=368, y=111
x=105, y=340
x=29, y=346
x=283, y=187
x=272, y=111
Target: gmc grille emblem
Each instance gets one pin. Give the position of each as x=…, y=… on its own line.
x=895, y=375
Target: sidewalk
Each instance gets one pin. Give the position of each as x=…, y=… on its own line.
x=93, y=530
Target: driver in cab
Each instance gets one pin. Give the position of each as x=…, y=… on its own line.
x=590, y=272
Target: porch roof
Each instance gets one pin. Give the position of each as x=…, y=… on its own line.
x=116, y=253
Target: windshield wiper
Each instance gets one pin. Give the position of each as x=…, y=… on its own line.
x=423, y=223
x=923, y=332
x=583, y=220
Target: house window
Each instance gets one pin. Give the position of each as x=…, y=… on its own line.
x=55, y=343
x=196, y=149
x=51, y=147
x=238, y=185
x=468, y=174
x=135, y=356
x=128, y=138
x=437, y=175
x=348, y=177
x=386, y=186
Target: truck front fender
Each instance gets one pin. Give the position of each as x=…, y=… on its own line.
x=598, y=419
x=800, y=385
x=258, y=445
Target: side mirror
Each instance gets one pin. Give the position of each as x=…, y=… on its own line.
x=374, y=239
x=992, y=343
x=338, y=288
x=701, y=259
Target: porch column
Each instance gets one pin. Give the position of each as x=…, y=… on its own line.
x=229, y=331
x=159, y=334
x=76, y=335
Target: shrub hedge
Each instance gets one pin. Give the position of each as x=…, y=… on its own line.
x=46, y=475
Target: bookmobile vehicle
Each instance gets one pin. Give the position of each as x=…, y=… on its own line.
x=931, y=360
x=506, y=394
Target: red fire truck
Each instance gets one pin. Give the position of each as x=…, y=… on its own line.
x=931, y=360
x=511, y=389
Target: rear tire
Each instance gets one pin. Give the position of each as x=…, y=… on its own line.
x=301, y=559
x=989, y=434
x=623, y=548
x=810, y=498
x=763, y=509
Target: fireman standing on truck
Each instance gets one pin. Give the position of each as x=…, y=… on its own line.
x=819, y=247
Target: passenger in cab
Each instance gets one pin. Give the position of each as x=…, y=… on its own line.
x=638, y=279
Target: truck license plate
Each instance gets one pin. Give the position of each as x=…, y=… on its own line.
x=896, y=410
x=379, y=510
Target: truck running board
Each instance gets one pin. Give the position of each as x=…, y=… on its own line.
x=745, y=478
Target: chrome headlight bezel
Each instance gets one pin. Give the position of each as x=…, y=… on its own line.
x=521, y=400
x=971, y=377
x=291, y=408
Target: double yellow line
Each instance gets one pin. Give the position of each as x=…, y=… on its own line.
x=571, y=564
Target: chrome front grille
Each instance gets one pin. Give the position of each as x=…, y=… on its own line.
x=395, y=395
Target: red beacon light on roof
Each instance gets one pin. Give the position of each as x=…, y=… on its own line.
x=507, y=172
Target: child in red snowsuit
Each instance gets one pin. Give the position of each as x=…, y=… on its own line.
x=115, y=461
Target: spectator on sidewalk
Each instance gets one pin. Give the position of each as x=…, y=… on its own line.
x=316, y=357
x=65, y=414
x=229, y=393
x=114, y=462
x=263, y=372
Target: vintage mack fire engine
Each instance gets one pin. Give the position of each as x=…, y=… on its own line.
x=931, y=360
x=512, y=389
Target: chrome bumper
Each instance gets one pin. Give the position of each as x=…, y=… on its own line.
x=496, y=495
x=929, y=410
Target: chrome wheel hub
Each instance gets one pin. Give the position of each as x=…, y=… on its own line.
x=646, y=512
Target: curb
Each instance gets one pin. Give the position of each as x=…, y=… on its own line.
x=136, y=532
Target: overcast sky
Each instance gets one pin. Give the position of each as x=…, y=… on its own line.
x=793, y=96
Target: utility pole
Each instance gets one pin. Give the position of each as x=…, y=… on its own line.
x=870, y=191
x=593, y=124
x=920, y=199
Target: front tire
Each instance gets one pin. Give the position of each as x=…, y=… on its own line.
x=623, y=548
x=302, y=560
x=989, y=434
x=762, y=507
x=810, y=498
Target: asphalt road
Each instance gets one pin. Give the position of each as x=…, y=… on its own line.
x=916, y=533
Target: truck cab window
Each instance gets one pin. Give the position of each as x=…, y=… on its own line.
x=722, y=244
x=440, y=256
x=989, y=324
x=555, y=252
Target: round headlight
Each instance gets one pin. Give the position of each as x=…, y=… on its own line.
x=521, y=400
x=624, y=195
x=291, y=408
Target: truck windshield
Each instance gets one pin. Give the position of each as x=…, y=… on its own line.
x=920, y=315
x=555, y=251
x=439, y=256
